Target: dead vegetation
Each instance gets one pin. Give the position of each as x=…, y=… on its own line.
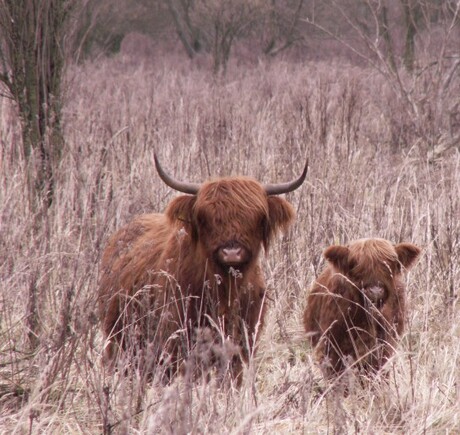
x=261, y=122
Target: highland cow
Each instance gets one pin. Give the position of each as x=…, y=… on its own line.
x=165, y=277
x=356, y=308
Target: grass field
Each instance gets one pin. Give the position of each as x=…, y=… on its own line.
x=369, y=177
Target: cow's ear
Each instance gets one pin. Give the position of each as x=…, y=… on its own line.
x=339, y=257
x=281, y=214
x=181, y=208
x=407, y=253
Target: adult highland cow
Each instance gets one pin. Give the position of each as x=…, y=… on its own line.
x=165, y=277
x=356, y=308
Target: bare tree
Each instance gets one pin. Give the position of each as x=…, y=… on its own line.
x=282, y=25
x=414, y=45
x=189, y=34
x=224, y=22
x=31, y=71
x=32, y=61
x=213, y=26
x=103, y=24
x=412, y=18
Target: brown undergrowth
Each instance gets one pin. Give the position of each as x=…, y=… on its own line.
x=261, y=122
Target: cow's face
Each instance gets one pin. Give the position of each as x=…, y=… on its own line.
x=230, y=219
x=372, y=264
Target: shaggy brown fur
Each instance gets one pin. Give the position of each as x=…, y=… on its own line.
x=164, y=276
x=356, y=308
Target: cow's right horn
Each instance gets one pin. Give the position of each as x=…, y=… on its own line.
x=181, y=186
x=278, y=189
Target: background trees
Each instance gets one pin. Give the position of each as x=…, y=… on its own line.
x=216, y=25
x=412, y=43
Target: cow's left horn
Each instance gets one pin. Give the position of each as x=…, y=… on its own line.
x=278, y=189
x=181, y=186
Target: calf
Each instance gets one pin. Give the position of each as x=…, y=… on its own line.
x=356, y=307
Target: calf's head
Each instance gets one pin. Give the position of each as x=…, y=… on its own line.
x=231, y=218
x=372, y=265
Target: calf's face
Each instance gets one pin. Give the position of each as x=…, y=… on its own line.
x=372, y=264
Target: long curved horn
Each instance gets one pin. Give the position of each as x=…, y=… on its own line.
x=181, y=186
x=278, y=189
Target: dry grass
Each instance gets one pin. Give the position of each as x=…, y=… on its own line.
x=262, y=122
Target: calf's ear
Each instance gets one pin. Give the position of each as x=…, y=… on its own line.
x=407, y=253
x=339, y=257
x=281, y=215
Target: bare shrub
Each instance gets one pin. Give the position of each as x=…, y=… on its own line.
x=411, y=44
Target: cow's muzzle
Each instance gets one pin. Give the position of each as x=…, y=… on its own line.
x=233, y=254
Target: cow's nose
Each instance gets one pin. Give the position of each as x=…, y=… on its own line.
x=232, y=255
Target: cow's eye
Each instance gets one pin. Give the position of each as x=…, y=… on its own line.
x=264, y=226
x=203, y=223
